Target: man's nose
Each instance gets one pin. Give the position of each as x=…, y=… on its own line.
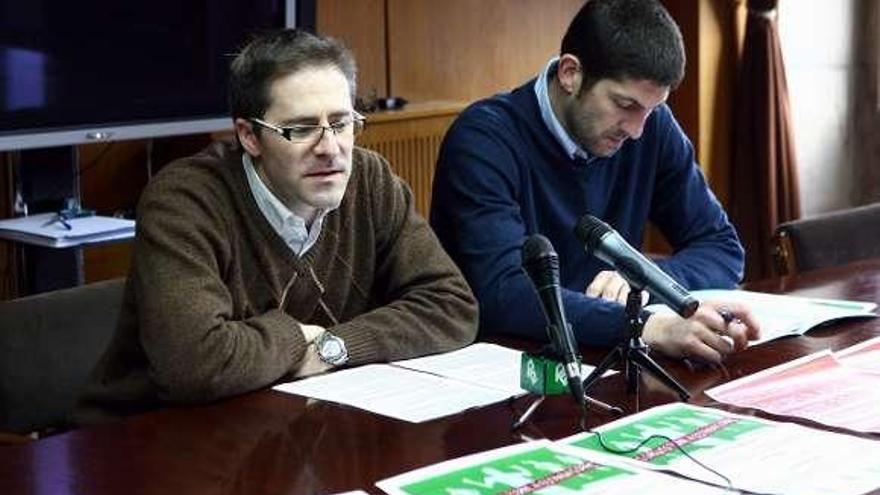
x=634, y=124
x=328, y=142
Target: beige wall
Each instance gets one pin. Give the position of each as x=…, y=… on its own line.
x=831, y=52
x=817, y=49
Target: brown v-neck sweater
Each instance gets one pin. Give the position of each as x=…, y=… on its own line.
x=215, y=297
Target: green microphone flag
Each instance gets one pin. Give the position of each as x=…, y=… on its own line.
x=542, y=376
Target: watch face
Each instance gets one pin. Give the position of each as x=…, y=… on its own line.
x=331, y=349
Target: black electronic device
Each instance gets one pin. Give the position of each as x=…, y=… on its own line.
x=102, y=70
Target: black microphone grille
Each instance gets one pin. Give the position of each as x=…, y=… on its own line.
x=540, y=261
x=590, y=231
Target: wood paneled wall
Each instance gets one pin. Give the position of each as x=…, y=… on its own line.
x=468, y=49
x=456, y=50
x=410, y=140
x=360, y=24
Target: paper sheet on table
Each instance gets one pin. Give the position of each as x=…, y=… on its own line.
x=783, y=315
x=424, y=388
x=755, y=454
x=864, y=355
x=488, y=365
x=395, y=392
x=816, y=387
x=539, y=467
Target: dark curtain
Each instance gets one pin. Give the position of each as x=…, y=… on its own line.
x=763, y=182
x=866, y=102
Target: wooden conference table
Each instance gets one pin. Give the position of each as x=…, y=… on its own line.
x=270, y=442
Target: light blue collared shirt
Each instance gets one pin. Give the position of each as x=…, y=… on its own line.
x=542, y=91
x=289, y=226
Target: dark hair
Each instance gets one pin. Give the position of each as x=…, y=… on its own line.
x=273, y=55
x=626, y=39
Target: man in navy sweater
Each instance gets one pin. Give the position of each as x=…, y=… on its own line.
x=591, y=134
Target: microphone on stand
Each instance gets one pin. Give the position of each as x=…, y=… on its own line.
x=541, y=264
x=641, y=273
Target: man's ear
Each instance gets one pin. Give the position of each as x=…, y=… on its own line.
x=245, y=132
x=569, y=73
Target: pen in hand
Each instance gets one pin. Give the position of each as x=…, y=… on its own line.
x=727, y=316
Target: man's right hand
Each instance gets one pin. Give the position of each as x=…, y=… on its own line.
x=311, y=332
x=311, y=364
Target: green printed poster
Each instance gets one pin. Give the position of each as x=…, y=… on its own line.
x=537, y=467
x=541, y=467
x=693, y=428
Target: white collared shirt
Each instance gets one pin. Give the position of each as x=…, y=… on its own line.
x=289, y=226
x=542, y=91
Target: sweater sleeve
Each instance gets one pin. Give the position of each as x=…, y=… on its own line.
x=477, y=215
x=197, y=351
x=707, y=251
x=423, y=304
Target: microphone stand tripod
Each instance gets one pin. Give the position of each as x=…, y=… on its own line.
x=632, y=355
x=550, y=352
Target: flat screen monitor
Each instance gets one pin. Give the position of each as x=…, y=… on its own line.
x=74, y=72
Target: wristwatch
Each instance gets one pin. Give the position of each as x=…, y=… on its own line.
x=331, y=349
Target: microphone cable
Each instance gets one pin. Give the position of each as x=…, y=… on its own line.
x=624, y=452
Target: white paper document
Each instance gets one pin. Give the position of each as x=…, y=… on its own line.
x=864, y=356
x=816, y=387
x=488, y=365
x=781, y=315
x=396, y=392
x=539, y=467
x=755, y=454
x=45, y=229
x=425, y=388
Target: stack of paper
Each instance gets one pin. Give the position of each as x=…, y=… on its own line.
x=781, y=315
x=722, y=449
x=425, y=388
x=47, y=230
x=752, y=453
x=838, y=389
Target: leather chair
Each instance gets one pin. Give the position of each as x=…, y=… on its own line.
x=49, y=344
x=830, y=239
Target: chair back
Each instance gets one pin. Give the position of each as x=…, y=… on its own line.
x=49, y=344
x=831, y=239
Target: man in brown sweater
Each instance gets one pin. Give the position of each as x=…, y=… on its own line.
x=287, y=254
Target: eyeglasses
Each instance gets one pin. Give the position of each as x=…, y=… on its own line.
x=313, y=133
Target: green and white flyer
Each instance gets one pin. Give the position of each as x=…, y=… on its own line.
x=755, y=454
x=539, y=467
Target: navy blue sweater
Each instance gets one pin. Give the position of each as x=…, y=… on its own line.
x=502, y=176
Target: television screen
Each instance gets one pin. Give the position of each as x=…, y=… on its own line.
x=91, y=70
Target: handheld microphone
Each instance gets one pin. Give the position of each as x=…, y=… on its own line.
x=541, y=264
x=602, y=241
